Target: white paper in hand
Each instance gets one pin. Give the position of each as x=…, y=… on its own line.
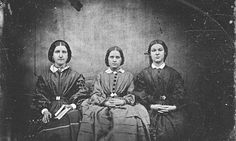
x=61, y=112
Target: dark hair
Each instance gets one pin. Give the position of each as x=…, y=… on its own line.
x=54, y=45
x=111, y=49
x=157, y=42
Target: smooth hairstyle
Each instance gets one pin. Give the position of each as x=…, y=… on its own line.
x=54, y=45
x=117, y=49
x=157, y=42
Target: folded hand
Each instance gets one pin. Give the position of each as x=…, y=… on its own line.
x=114, y=102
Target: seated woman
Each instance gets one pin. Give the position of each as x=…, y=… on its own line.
x=112, y=114
x=56, y=86
x=161, y=89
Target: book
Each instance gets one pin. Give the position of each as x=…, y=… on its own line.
x=61, y=112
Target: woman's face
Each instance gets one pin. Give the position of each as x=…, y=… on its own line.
x=157, y=53
x=60, y=55
x=114, y=59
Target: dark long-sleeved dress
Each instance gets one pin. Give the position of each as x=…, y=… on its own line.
x=122, y=123
x=54, y=89
x=163, y=86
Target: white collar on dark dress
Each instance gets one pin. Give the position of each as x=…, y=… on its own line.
x=158, y=67
x=111, y=71
x=54, y=69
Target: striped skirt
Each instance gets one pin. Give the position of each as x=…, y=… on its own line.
x=65, y=129
x=126, y=123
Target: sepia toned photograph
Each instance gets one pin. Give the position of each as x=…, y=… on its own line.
x=117, y=70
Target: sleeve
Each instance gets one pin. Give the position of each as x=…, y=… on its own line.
x=130, y=98
x=98, y=96
x=140, y=89
x=41, y=95
x=178, y=90
x=80, y=93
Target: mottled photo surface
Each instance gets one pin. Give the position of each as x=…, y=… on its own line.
x=199, y=36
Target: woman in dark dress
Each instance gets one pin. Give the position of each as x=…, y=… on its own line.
x=112, y=114
x=161, y=89
x=56, y=86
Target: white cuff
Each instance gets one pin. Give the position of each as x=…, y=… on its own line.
x=73, y=106
x=45, y=109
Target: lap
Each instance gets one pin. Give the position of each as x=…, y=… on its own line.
x=122, y=122
x=64, y=129
x=176, y=125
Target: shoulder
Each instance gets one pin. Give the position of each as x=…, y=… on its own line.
x=172, y=72
x=143, y=74
x=170, y=69
x=127, y=76
x=100, y=75
x=127, y=73
x=74, y=73
x=145, y=71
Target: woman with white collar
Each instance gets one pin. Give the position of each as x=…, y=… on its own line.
x=161, y=89
x=57, y=86
x=112, y=114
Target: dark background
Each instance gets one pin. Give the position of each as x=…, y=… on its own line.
x=199, y=35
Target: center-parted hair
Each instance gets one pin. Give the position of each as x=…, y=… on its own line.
x=54, y=45
x=157, y=42
x=117, y=49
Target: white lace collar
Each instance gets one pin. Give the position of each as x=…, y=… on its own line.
x=110, y=71
x=159, y=67
x=54, y=69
